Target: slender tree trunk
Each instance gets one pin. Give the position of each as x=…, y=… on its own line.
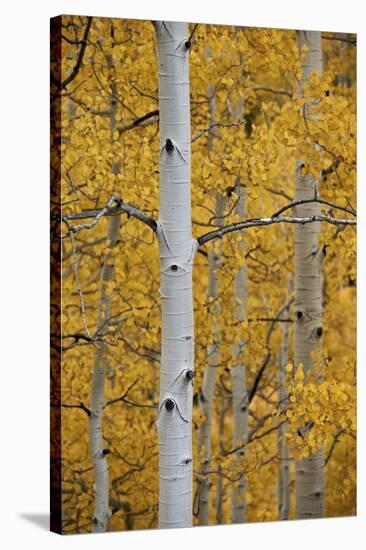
x=177, y=252
x=310, y=483
x=238, y=377
x=97, y=452
x=284, y=471
x=101, y=487
x=209, y=377
x=220, y=479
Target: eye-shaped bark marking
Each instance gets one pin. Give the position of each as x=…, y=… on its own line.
x=169, y=404
x=319, y=331
x=190, y=374
x=175, y=270
x=169, y=145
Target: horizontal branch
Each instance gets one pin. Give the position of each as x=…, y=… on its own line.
x=127, y=401
x=258, y=222
x=108, y=210
x=255, y=438
x=138, y=121
x=315, y=199
x=351, y=41
x=77, y=406
x=272, y=90
x=217, y=125
x=112, y=401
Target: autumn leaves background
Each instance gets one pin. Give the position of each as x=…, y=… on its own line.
x=248, y=80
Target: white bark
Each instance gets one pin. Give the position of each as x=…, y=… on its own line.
x=238, y=377
x=283, y=452
x=220, y=480
x=209, y=377
x=310, y=483
x=101, y=487
x=177, y=251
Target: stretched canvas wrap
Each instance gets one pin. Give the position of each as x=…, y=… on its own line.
x=203, y=270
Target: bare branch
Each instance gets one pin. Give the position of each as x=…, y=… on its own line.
x=77, y=406
x=279, y=193
x=271, y=90
x=267, y=358
x=307, y=201
x=75, y=265
x=128, y=402
x=335, y=440
x=217, y=125
x=138, y=121
x=108, y=210
x=258, y=222
x=351, y=41
x=255, y=438
x=112, y=401
x=62, y=85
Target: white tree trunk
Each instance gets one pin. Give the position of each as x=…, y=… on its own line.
x=177, y=252
x=209, y=377
x=310, y=483
x=220, y=493
x=284, y=470
x=238, y=377
x=101, y=487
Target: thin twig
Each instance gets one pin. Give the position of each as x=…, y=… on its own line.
x=217, y=125
x=307, y=201
x=62, y=85
x=76, y=273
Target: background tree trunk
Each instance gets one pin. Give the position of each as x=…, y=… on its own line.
x=209, y=377
x=220, y=489
x=310, y=483
x=238, y=377
x=177, y=251
x=101, y=514
x=101, y=488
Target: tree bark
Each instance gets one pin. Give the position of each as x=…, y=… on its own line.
x=220, y=492
x=310, y=483
x=238, y=377
x=101, y=487
x=209, y=377
x=177, y=252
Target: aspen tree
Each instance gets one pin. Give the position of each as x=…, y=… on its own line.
x=310, y=483
x=97, y=451
x=177, y=252
x=238, y=371
x=238, y=376
x=91, y=193
x=223, y=406
x=209, y=377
